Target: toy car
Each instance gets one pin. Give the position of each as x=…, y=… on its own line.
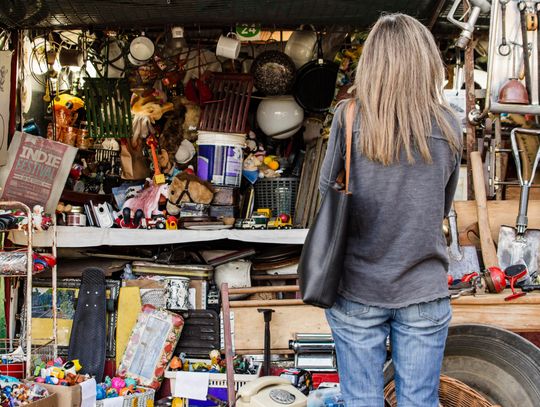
x=282, y=221
x=257, y=221
x=156, y=222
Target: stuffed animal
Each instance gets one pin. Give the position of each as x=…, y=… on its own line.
x=171, y=136
x=186, y=187
x=192, y=118
x=146, y=111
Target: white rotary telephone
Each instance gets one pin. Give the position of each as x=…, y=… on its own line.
x=270, y=391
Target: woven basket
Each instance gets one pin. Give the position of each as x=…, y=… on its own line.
x=145, y=399
x=452, y=393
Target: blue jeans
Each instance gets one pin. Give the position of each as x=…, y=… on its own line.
x=417, y=336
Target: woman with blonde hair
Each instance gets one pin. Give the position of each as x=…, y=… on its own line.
x=404, y=171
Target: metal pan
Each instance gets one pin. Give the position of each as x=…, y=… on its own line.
x=521, y=245
x=316, y=83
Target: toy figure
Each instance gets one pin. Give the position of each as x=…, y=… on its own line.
x=37, y=217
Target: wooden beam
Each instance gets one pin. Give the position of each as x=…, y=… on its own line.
x=470, y=102
x=520, y=315
x=500, y=213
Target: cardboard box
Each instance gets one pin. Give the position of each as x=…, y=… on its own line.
x=68, y=396
x=197, y=293
x=51, y=401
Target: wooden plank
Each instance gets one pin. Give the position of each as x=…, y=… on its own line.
x=286, y=322
x=517, y=318
x=470, y=103
x=520, y=315
x=500, y=213
x=266, y=289
x=532, y=298
x=265, y=303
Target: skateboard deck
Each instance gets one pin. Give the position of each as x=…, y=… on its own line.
x=89, y=334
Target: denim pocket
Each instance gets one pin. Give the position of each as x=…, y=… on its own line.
x=350, y=308
x=436, y=311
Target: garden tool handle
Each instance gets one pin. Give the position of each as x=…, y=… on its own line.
x=489, y=254
x=522, y=6
x=522, y=221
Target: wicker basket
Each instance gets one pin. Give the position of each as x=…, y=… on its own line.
x=452, y=393
x=278, y=194
x=145, y=399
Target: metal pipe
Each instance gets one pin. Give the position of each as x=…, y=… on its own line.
x=475, y=116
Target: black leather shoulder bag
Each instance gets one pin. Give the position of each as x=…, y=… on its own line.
x=321, y=262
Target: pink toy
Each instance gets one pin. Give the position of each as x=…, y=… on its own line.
x=118, y=383
x=147, y=199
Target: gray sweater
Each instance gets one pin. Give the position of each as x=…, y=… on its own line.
x=396, y=252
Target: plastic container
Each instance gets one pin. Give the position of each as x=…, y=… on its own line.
x=220, y=158
x=135, y=400
x=217, y=383
x=278, y=194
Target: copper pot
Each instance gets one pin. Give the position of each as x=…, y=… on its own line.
x=513, y=92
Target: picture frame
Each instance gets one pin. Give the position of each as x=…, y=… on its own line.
x=66, y=298
x=151, y=346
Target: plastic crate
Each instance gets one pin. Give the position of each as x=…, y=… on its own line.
x=135, y=400
x=278, y=194
x=218, y=380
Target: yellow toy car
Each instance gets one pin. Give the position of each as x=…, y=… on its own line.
x=282, y=221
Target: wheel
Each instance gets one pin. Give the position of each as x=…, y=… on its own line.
x=499, y=364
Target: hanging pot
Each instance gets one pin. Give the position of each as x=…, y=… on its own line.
x=301, y=46
x=273, y=73
x=316, y=83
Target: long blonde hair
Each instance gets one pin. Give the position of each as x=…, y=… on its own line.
x=399, y=87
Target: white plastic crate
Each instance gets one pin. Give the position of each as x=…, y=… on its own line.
x=218, y=380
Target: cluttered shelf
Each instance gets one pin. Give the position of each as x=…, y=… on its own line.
x=68, y=236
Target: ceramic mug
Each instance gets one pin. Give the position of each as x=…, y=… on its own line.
x=141, y=50
x=228, y=46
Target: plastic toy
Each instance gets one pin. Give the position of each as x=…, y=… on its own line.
x=130, y=382
x=118, y=383
x=159, y=178
x=257, y=221
x=172, y=223
x=282, y=221
x=100, y=392
x=18, y=394
x=115, y=387
x=59, y=373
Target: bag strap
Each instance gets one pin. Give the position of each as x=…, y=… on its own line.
x=349, y=121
